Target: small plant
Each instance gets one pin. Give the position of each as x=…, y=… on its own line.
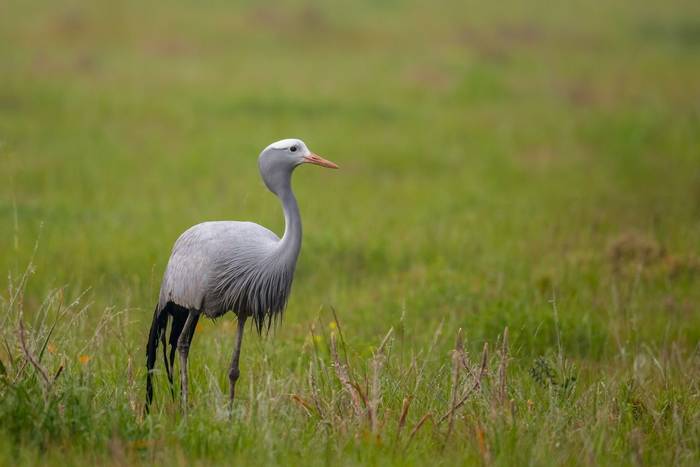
x=561, y=380
x=45, y=374
x=543, y=372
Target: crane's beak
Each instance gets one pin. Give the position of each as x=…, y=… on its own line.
x=315, y=159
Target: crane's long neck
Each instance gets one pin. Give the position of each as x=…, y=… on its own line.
x=290, y=245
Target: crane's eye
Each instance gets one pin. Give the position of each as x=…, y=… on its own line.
x=293, y=149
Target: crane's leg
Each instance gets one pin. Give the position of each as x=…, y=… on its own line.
x=179, y=315
x=233, y=371
x=183, y=346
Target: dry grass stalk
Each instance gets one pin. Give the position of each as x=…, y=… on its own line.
x=474, y=387
x=314, y=392
x=8, y=350
x=502, y=369
x=58, y=373
x=375, y=389
x=384, y=341
x=421, y=422
x=341, y=372
x=481, y=444
x=340, y=334
x=360, y=393
x=28, y=355
x=133, y=402
x=457, y=355
x=301, y=403
x=468, y=368
x=484, y=367
x=375, y=395
x=404, y=414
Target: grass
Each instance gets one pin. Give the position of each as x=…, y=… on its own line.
x=528, y=167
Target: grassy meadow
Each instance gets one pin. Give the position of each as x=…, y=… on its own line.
x=525, y=172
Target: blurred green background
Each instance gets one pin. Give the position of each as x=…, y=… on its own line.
x=494, y=155
x=490, y=153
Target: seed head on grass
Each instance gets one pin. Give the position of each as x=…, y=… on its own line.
x=341, y=372
x=457, y=355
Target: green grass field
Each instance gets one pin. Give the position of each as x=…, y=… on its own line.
x=532, y=166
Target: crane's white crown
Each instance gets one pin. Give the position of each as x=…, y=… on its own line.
x=288, y=143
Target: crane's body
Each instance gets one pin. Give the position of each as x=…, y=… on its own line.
x=220, y=266
x=216, y=267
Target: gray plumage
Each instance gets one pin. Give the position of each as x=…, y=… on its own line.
x=220, y=266
x=216, y=267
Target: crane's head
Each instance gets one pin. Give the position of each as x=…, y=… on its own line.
x=278, y=160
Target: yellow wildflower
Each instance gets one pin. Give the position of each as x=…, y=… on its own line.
x=84, y=359
x=51, y=348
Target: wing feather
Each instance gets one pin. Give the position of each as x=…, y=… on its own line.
x=194, y=269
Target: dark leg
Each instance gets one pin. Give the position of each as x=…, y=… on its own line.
x=183, y=346
x=233, y=371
